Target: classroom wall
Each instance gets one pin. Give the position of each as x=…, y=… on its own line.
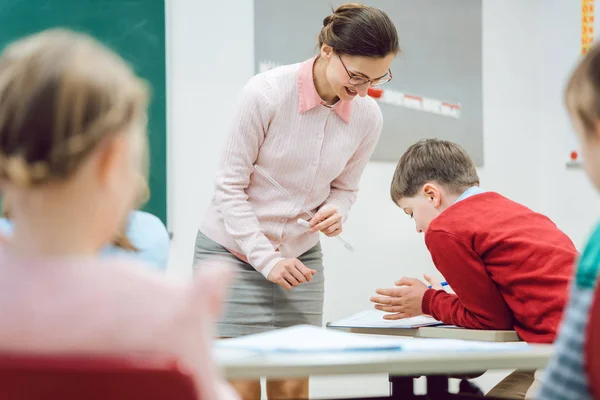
x=210, y=58
x=528, y=48
x=565, y=194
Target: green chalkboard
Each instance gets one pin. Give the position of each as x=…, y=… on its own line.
x=133, y=28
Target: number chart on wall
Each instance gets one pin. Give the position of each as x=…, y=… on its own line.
x=589, y=33
x=437, y=86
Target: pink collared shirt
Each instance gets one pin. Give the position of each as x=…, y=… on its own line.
x=317, y=153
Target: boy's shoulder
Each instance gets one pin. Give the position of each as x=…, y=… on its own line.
x=477, y=209
x=489, y=214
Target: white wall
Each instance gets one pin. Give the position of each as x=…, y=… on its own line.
x=528, y=49
x=210, y=58
x=567, y=196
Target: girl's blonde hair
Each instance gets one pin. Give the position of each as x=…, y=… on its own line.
x=61, y=94
x=582, y=94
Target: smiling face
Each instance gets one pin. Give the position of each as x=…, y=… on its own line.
x=348, y=76
x=357, y=45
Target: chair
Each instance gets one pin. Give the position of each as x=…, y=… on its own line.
x=592, y=347
x=41, y=377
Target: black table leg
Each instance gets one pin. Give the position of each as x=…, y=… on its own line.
x=402, y=387
x=437, y=384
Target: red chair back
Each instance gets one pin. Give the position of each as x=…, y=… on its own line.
x=592, y=347
x=29, y=377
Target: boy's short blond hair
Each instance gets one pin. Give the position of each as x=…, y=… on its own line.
x=433, y=160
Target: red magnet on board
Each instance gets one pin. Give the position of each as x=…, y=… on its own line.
x=375, y=93
x=574, y=155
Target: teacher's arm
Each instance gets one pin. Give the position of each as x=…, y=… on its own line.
x=251, y=121
x=255, y=110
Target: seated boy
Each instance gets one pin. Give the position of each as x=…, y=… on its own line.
x=509, y=267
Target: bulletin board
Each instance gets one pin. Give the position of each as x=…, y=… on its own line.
x=437, y=85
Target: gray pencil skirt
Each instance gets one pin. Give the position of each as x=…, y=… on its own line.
x=256, y=305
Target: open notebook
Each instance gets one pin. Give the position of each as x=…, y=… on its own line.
x=374, y=319
x=311, y=339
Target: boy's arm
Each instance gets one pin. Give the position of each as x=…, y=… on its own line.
x=478, y=302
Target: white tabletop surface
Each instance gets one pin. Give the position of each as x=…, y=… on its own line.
x=238, y=364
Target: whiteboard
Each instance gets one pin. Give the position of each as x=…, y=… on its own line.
x=437, y=85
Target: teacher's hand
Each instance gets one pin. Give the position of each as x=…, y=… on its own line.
x=327, y=220
x=290, y=272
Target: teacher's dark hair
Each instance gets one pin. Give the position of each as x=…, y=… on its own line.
x=359, y=30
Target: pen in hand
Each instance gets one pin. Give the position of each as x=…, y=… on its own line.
x=310, y=213
x=441, y=283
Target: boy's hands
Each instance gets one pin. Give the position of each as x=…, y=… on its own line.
x=434, y=282
x=405, y=300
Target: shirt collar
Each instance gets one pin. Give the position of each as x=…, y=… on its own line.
x=473, y=190
x=309, y=97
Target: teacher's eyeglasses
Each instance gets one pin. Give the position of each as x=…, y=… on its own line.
x=357, y=80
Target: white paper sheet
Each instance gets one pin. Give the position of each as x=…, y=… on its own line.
x=374, y=319
x=307, y=338
x=311, y=339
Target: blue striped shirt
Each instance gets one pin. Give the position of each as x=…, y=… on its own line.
x=566, y=377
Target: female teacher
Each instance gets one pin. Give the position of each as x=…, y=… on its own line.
x=312, y=128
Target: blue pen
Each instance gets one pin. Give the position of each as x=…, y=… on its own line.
x=442, y=283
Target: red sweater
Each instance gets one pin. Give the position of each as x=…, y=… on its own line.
x=509, y=267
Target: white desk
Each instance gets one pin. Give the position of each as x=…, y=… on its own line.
x=402, y=367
